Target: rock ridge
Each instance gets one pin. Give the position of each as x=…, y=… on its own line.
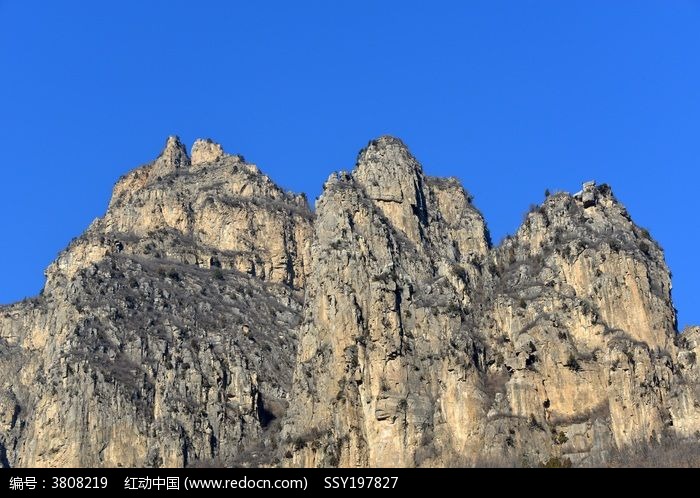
x=212, y=318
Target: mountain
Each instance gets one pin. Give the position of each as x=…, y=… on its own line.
x=212, y=318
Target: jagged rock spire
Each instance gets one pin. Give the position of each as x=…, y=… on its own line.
x=394, y=179
x=175, y=152
x=388, y=170
x=205, y=150
x=173, y=157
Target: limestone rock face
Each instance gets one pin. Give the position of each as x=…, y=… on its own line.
x=372, y=395
x=227, y=213
x=134, y=362
x=166, y=333
x=206, y=151
x=174, y=157
x=579, y=324
x=210, y=317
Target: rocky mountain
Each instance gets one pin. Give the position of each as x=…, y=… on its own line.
x=211, y=318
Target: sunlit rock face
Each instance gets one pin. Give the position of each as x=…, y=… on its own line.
x=212, y=318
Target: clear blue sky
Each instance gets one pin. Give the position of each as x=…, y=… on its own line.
x=511, y=97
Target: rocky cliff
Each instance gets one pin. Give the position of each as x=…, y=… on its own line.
x=211, y=318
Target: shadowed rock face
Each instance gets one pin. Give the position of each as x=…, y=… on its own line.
x=210, y=317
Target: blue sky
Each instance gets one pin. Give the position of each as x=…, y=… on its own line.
x=511, y=97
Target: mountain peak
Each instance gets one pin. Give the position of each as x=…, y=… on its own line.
x=174, y=148
x=174, y=156
x=211, y=294
x=205, y=150
x=387, y=149
x=387, y=141
x=387, y=169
